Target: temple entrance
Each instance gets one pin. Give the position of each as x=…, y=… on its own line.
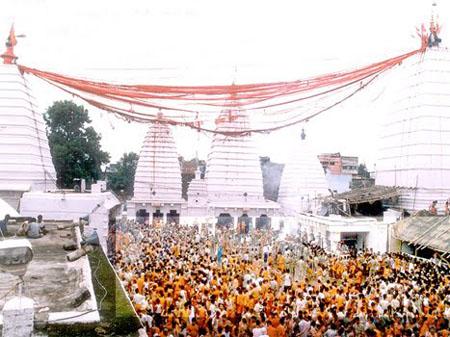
x=263, y=222
x=142, y=216
x=224, y=220
x=157, y=217
x=355, y=240
x=173, y=217
x=244, y=222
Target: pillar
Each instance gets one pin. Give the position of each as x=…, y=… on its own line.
x=235, y=221
x=18, y=317
x=335, y=237
x=150, y=215
x=131, y=210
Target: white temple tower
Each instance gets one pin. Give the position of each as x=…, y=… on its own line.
x=415, y=142
x=157, y=182
x=25, y=159
x=233, y=174
x=197, y=194
x=303, y=181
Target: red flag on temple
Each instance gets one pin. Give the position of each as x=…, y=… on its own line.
x=8, y=56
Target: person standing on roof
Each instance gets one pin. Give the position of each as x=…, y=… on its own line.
x=433, y=209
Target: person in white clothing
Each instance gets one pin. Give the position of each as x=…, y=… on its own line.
x=259, y=330
x=287, y=283
x=140, y=300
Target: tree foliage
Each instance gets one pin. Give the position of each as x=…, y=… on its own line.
x=121, y=174
x=362, y=171
x=75, y=146
x=188, y=168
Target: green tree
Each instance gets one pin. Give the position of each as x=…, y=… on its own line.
x=362, y=171
x=121, y=174
x=188, y=168
x=75, y=146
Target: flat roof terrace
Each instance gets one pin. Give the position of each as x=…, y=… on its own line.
x=55, y=284
x=50, y=280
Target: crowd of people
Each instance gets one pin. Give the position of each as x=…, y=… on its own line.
x=193, y=281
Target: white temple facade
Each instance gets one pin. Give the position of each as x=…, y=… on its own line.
x=415, y=142
x=25, y=159
x=231, y=191
x=329, y=232
x=233, y=176
x=157, y=184
x=303, y=183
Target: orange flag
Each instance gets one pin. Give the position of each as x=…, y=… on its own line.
x=12, y=37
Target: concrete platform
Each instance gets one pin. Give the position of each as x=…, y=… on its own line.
x=51, y=281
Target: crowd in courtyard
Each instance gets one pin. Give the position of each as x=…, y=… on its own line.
x=193, y=281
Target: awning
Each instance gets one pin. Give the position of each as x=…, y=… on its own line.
x=426, y=231
x=366, y=194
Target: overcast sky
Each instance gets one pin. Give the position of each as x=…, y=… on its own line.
x=215, y=42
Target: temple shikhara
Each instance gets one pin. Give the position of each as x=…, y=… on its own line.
x=303, y=185
x=415, y=142
x=234, y=244
x=233, y=175
x=157, y=183
x=231, y=190
x=197, y=196
x=26, y=163
x=48, y=276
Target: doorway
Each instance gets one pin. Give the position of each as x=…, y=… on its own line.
x=157, y=217
x=263, y=222
x=173, y=217
x=142, y=216
x=244, y=222
x=224, y=220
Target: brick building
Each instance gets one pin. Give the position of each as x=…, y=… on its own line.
x=336, y=164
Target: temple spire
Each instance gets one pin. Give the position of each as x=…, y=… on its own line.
x=420, y=170
x=433, y=39
x=8, y=56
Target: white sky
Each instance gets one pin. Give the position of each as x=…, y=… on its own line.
x=205, y=41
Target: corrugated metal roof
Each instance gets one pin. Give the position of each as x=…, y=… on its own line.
x=367, y=194
x=427, y=231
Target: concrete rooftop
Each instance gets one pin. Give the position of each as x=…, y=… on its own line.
x=51, y=281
